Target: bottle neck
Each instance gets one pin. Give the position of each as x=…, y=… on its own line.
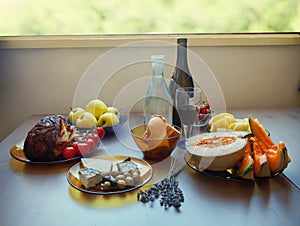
x=158, y=84
x=181, y=62
x=157, y=69
x=158, y=80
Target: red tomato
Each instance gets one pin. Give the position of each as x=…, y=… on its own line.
x=101, y=132
x=75, y=146
x=94, y=137
x=83, y=148
x=69, y=152
x=91, y=143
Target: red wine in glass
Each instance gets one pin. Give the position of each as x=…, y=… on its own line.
x=187, y=113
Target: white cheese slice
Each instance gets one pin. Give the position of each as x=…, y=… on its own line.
x=104, y=165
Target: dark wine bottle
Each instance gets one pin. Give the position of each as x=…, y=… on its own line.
x=181, y=76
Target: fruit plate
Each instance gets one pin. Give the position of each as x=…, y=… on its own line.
x=17, y=152
x=224, y=175
x=73, y=177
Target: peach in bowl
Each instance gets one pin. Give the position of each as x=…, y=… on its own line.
x=156, y=148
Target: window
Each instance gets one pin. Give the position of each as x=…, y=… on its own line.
x=73, y=17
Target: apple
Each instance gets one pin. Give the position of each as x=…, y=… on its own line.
x=114, y=110
x=86, y=120
x=108, y=119
x=75, y=113
x=96, y=107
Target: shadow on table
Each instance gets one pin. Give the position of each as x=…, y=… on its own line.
x=240, y=191
x=103, y=201
x=39, y=169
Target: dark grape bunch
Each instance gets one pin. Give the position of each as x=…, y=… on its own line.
x=168, y=192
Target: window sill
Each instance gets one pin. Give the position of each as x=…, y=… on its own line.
x=93, y=41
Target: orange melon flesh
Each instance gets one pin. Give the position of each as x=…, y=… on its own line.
x=256, y=153
x=263, y=158
x=261, y=167
x=245, y=169
x=275, y=159
x=248, y=148
x=286, y=157
x=259, y=132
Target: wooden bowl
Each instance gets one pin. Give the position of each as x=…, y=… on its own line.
x=215, y=151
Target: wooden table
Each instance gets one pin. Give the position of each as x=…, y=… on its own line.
x=40, y=194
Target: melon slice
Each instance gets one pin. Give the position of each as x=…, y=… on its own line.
x=261, y=167
x=240, y=125
x=277, y=156
x=286, y=157
x=245, y=168
x=260, y=133
x=219, y=116
x=275, y=160
x=222, y=124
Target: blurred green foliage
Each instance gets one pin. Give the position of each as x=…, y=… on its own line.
x=64, y=17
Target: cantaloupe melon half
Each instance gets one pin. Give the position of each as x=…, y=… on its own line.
x=216, y=151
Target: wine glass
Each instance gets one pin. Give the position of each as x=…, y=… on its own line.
x=187, y=105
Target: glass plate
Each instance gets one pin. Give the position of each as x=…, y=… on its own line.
x=17, y=153
x=73, y=177
x=224, y=175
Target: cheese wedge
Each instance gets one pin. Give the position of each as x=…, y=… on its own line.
x=104, y=165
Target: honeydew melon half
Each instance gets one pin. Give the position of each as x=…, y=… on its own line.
x=216, y=151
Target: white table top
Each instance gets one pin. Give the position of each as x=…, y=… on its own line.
x=40, y=194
